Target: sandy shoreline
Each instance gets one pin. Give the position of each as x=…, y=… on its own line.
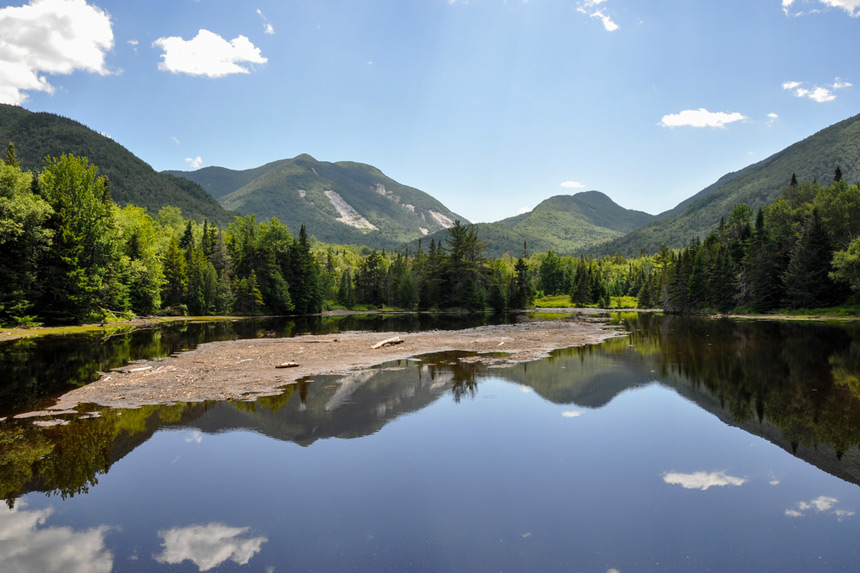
x=244, y=369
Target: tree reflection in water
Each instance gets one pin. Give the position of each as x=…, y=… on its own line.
x=796, y=384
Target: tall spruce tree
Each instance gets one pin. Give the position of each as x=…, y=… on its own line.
x=807, y=279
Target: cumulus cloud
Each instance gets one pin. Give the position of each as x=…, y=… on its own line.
x=595, y=9
x=821, y=504
x=821, y=94
x=524, y=210
x=702, y=480
x=48, y=37
x=700, y=118
x=25, y=545
x=571, y=414
x=572, y=185
x=850, y=6
x=208, y=54
x=194, y=162
x=208, y=546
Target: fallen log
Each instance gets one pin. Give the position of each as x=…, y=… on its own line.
x=288, y=365
x=387, y=342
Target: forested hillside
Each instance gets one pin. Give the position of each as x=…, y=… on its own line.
x=343, y=202
x=132, y=181
x=565, y=223
x=758, y=185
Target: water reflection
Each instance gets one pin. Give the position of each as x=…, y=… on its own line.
x=822, y=504
x=208, y=546
x=797, y=385
x=33, y=371
x=27, y=545
x=702, y=480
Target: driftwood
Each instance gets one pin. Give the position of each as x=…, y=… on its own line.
x=288, y=365
x=387, y=342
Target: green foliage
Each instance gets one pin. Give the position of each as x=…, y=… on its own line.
x=81, y=272
x=23, y=240
x=787, y=260
x=40, y=135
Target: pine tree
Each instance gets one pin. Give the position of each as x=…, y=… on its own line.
x=304, y=276
x=807, y=279
x=11, y=158
x=81, y=272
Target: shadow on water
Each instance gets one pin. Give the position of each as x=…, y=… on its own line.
x=797, y=385
x=35, y=371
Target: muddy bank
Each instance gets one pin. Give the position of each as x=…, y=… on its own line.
x=243, y=369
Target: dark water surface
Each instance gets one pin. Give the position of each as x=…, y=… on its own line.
x=35, y=371
x=691, y=445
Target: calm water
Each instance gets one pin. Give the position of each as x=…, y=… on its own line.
x=691, y=445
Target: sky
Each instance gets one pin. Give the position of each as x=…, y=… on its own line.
x=491, y=106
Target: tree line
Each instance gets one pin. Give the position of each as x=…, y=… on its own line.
x=802, y=251
x=69, y=254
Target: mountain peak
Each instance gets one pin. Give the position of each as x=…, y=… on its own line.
x=343, y=202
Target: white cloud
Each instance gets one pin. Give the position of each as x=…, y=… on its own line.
x=27, y=546
x=208, y=54
x=208, y=546
x=821, y=504
x=194, y=162
x=850, y=6
x=816, y=93
x=175, y=140
x=47, y=37
x=700, y=118
x=267, y=27
x=702, y=480
x=572, y=185
x=839, y=84
x=592, y=8
x=571, y=414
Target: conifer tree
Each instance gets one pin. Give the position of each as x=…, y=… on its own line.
x=807, y=279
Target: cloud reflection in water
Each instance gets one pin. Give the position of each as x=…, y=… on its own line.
x=702, y=480
x=208, y=546
x=820, y=504
x=25, y=546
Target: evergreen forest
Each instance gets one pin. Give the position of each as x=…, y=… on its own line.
x=69, y=255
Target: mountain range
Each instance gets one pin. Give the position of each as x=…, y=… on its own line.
x=343, y=202
x=566, y=223
x=40, y=135
x=355, y=203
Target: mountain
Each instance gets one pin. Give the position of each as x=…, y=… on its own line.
x=343, y=202
x=814, y=158
x=566, y=223
x=38, y=135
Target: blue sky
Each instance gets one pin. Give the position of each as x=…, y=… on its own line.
x=491, y=106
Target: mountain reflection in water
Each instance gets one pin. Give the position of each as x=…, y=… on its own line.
x=797, y=385
x=652, y=451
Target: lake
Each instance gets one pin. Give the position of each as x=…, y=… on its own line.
x=690, y=445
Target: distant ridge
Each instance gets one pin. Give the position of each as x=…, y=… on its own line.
x=343, y=202
x=567, y=223
x=814, y=158
x=38, y=135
